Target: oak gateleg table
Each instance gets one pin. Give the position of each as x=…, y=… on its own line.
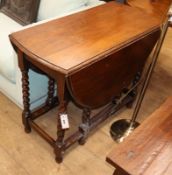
x=96, y=57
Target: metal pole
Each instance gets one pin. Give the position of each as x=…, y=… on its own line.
x=149, y=73
x=122, y=128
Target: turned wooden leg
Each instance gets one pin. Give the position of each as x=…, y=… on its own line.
x=59, y=145
x=133, y=94
x=26, y=101
x=51, y=85
x=84, y=127
x=59, y=150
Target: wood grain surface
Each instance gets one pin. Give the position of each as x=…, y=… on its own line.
x=102, y=81
x=148, y=150
x=22, y=154
x=73, y=42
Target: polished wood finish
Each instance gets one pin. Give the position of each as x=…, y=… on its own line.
x=25, y=90
x=22, y=154
x=149, y=148
x=80, y=51
x=87, y=31
x=103, y=77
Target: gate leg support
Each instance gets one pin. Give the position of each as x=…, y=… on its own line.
x=59, y=144
x=84, y=127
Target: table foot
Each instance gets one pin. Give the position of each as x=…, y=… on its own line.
x=27, y=130
x=25, y=119
x=121, y=129
x=82, y=141
x=59, y=159
x=59, y=152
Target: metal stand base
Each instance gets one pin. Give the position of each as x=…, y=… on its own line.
x=121, y=129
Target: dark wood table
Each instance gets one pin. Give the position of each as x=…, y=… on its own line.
x=148, y=150
x=95, y=57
